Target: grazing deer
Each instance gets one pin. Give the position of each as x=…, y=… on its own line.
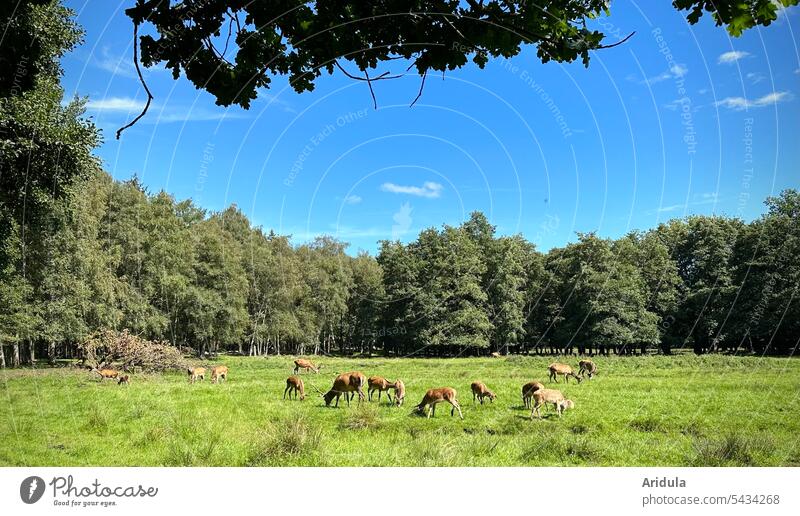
x=380, y=384
x=124, y=379
x=302, y=363
x=480, y=391
x=434, y=396
x=564, y=370
x=294, y=385
x=346, y=383
x=196, y=374
x=219, y=373
x=495, y=354
x=544, y=396
x=399, y=392
x=587, y=367
x=106, y=373
x=527, y=392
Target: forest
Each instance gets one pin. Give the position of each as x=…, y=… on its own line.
x=81, y=253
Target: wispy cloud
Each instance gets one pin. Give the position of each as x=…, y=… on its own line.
x=124, y=104
x=755, y=77
x=676, y=71
x=274, y=101
x=740, y=103
x=120, y=107
x=428, y=189
x=732, y=56
x=352, y=199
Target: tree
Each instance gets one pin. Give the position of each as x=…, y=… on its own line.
x=233, y=48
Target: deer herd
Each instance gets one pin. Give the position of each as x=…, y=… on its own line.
x=534, y=393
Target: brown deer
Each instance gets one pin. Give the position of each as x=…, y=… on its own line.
x=586, y=366
x=544, y=396
x=302, y=363
x=480, y=391
x=380, y=384
x=219, y=373
x=124, y=379
x=196, y=374
x=562, y=369
x=434, y=396
x=346, y=383
x=294, y=385
x=399, y=392
x=527, y=392
x=106, y=373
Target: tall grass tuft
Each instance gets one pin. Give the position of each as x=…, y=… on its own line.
x=286, y=440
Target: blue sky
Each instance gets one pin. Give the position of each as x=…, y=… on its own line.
x=678, y=120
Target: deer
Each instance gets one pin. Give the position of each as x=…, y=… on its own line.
x=587, y=367
x=106, y=373
x=302, y=363
x=380, y=384
x=346, y=383
x=294, y=385
x=545, y=396
x=527, y=392
x=495, y=354
x=399, y=392
x=434, y=396
x=124, y=379
x=562, y=369
x=219, y=373
x=480, y=391
x=196, y=374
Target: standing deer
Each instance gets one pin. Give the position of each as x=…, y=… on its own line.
x=294, y=385
x=544, y=396
x=434, y=396
x=196, y=374
x=346, y=383
x=527, y=392
x=480, y=391
x=587, y=367
x=380, y=384
x=562, y=369
x=302, y=363
x=399, y=392
x=106, y=373
x=219, y=373
x=124, y=379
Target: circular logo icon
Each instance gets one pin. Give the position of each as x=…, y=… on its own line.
x=31, y=489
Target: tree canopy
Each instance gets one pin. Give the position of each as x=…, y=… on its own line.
x=232, y=48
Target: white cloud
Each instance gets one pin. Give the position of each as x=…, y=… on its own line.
x=740, y=103
x=755, y=77
x=429, y=189
x=125, y=104
x=732, y=56
x=678, y=70
x=698, y=200
x=352, y=199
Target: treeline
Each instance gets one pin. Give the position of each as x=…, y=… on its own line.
x=113, y=256
x=81, y=253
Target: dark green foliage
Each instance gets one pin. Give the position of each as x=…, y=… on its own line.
x=232, y=48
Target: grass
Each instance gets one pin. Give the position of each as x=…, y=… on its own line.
x=639, y=411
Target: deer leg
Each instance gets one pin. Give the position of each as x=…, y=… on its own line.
x=473, y=398
x=457, y=407
x=379, y=395
x=369, y=393
x=285, y=391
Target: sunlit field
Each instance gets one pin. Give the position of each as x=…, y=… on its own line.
x=665, y=411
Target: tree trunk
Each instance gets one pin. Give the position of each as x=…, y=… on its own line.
x=32, y=351
x=15, y=355
x=51, y=352
x=2, y=356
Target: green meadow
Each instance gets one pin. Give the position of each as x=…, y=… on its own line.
x=683, y=410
